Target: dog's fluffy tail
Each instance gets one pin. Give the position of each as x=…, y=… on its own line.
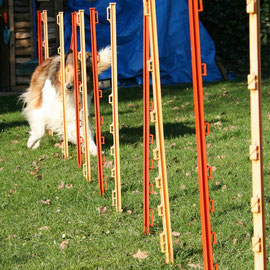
x=105, y=56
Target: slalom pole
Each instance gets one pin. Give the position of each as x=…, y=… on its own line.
x=61, y=51
x=256, y=147
x=113, y=100
x=45, y=42
x=78, y=105
x=83, y=90
x=102, y=183
x=148, y=219
x=204, y=171
x=159, y=151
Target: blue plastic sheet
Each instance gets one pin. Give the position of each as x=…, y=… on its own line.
x=173, y=39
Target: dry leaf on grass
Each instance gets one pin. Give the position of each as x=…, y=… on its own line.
x=44, y=228
x=102, y=210
x=11, y=236
x=68, y=186
x=140, y=255
x=194, y=266
x=176, y=234
x=175, y=108
x=62, y=184
x=45, y=201
x=108, y=164
x=14, y=141
x=59, y=145
x=129, y=212
x=183, y=187
x=135, y=191
x=172, y=145
x=1, y=169
x=132, y=105
x=64, y=244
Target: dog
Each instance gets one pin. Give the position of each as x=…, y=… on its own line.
x=43, y=107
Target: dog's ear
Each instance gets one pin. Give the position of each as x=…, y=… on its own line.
x=69, y=57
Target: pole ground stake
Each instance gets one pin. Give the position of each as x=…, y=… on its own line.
x=61, y=51
x=164, y=208
x=256, y=148
x=113, y=100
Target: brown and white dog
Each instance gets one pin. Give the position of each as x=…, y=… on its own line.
x=43, y=107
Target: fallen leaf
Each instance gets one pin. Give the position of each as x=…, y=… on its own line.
x=108, y=164
x=140, y=255
x=176, y=234
x=64, y=244
x=214, y=168
x=44, y=228
x=183, y=187
x=172, y=145
x=102, y=210
x=194, y=204
x=33, y=172
x=176, y=241
x=240, y=223
x=209, y=145
x=62, y=184
x=217, y=124
x=234, y=241
x=175, y=108
x=58, y=210
x=48, y=201
x=1, y=169
x=187, y=174
x=132, y=105
x=12, y=236
x=68, y=186
x=14, y=141
x=217, y=183
x=224, y=187
x=129, y=212
x=59, y=145
x=194, y=266
x=15, y=186
x=239, y=195
x=12, y=191
x=218, y=117
x=135, y=191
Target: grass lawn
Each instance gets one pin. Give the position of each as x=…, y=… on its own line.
x=38, y=212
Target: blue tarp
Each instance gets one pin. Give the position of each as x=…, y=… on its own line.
x=173, y=39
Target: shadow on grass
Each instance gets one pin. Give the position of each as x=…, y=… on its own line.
x=8, y=125
x=133, y=135
x=10, y=104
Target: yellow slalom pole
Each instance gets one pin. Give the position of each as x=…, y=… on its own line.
x=83, y=90
x=113, y=100
x=157, y=118
x=256, y=149
x=45, y=42
x=61, y=51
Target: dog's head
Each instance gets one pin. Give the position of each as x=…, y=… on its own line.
x=69, y=71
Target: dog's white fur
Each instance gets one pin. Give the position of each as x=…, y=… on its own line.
x=48, y=113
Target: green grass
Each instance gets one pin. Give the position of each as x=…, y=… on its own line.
x=108, y=241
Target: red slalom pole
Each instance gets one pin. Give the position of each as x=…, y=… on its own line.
x=97, y=96
x=146, y=130
x=78, y=106
x=204, y=171
x=39, y=32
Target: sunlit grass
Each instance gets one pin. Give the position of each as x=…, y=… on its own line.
x=108, y=241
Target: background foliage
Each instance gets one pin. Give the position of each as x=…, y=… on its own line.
x=227, y=22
